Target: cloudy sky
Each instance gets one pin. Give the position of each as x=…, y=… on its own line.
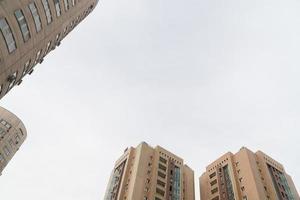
x=198, y=77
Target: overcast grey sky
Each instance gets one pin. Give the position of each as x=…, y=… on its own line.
x=198, y=77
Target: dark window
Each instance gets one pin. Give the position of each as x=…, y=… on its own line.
x=213, y=191
x=162, y=184
x=160, y=192
x=212, y=175
x=216, y=198
x=162, y=175
x=161, y=159
x=213, y=182
x=162, y=167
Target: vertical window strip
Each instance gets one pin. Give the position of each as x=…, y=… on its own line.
x=23, y=25
x=8, y=35
x=47, y=11
x=35, y=16
x=67, y=6
x=57, y=7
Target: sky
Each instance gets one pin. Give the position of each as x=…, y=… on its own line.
x=197, y=77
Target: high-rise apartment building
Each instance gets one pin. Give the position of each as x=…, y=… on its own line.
x=146, y=173
x=12, y=135
x=30, y=29
x=246, y=176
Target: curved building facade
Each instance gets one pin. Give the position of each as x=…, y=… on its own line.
x=30, y=29
x=12, y=136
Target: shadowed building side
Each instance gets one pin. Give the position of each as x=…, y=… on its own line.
x=30, y=29
x=246, y=176
x=12, y=136
x=146, y=173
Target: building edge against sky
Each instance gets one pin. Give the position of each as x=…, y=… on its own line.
x=29, y=30
x=12, y=135
x=149, y=173
x=246, y=176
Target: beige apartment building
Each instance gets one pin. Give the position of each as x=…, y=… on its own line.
x=146, y=173
x=12, y=136
x=30, y=29
x=247, y=176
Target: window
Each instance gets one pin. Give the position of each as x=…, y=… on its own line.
x=160, y=192
x=67, y=6
x=229, y=185
x=26, y=67
x=176, y=184
x=213, y=182
x=17, y=139
x=12, y=79
x=65, y=30
x=161, y=159
x=213, y=191
x=57, y=41
x=36, y=16
x=5, y=123
x=48, y=47
x=23, y=25
x=162, y=167
x=37, y=58
x=216, y=198
x=2, y=132
x=8, y=36
x=1, y=159
x=212, y=175
x=162, y=184
x=6, y=151
x=11, y=143
x=160, y=174
x=57, y=7
x=47, y=11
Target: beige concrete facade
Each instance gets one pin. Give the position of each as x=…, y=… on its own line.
x=246, y=176
x=30, y=29
x=12, y=136
x=146, y=173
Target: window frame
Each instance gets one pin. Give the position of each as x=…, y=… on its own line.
x=36, y=16
x=8, y=35
x=47, y=11
x=22, y=22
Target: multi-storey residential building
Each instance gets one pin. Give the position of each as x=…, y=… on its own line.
x=146, y=173
x=246, y=176
x=12, y=135
x=30, y=29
